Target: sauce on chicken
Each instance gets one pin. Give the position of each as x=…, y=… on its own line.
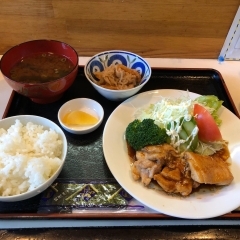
x=179, y=173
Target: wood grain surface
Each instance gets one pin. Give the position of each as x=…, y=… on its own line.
x=151, y=28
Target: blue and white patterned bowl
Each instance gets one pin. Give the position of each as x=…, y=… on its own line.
x=103, y=60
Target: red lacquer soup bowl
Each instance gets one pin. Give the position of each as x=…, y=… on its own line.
x=51, y=89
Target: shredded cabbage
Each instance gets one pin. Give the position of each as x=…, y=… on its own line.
x=208, y=148
x=167, y=110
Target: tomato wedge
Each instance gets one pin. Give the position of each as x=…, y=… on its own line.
x=208, y=129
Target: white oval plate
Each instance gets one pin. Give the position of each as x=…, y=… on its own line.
x=200, y=205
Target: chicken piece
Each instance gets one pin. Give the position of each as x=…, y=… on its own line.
x=171, y=181
x=150, y=161
x=195, y=184
x=167, y=185
x=172, y=174
x=208, y=169
x=141, y=174
x=145, y=169
x=145, y=156
x=136, y=174
x=175, y=176
x=159, y=152
x=184, y=187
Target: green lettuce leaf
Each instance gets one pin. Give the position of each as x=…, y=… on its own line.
x=212, y=104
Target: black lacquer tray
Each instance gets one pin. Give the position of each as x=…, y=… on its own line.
x=85, y=159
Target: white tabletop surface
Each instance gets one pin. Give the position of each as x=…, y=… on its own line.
x=230, y=71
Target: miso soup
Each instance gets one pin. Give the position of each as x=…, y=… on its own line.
x=41, y=68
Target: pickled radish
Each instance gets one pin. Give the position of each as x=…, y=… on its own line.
x=79, y=118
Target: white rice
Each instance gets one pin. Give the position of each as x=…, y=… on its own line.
x=29, y=155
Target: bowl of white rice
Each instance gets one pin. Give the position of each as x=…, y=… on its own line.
x=33, y=150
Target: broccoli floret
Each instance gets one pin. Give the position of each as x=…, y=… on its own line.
x=143, y=133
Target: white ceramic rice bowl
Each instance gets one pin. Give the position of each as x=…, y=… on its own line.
x=24, y=119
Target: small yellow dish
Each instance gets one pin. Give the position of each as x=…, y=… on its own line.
x=80, y=115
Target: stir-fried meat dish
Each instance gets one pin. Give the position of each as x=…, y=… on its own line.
x=180, y=173
x=118, y=77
